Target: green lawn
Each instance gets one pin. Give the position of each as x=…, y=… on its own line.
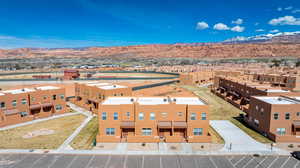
x=222, y=110
x=85, y=138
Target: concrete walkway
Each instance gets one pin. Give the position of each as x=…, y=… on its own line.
x=66, y=144
x=237, y=140
x=37, y=121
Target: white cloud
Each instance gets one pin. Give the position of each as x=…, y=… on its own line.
x=279, y=9
x=274, y=31
x=238, y=29
x=285, y=20
x=296, y=11
x=202, y=25
x=238, y=21
x=259, y=30
x=256, y=24
x=221, y=26
x=288, y=8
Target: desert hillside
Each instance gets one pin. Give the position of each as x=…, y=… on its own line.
x=162, y=51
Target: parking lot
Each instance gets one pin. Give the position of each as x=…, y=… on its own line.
x=129, y=161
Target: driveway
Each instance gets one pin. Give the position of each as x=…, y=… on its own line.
x=237, y=140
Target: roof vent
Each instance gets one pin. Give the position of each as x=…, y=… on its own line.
x=131, y=99
x=279, y=99
x=23, y=89
x=174, y=100
x=165, y=100
x=115, y=86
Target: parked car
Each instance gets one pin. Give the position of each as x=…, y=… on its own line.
x=296, y=154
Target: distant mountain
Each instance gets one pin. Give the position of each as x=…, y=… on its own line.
x=285, y=37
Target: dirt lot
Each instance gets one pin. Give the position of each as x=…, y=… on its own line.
x=61, y=128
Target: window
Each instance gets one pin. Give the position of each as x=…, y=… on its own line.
x=262, y=111
x=256, y=107
x=128, y=114
x=14, y=103
x=121, y=94
x=110, y=131
x=164, y=114
x=146, y=131
x=104, y=116
x=54, y=97
x=23, y=101
x=280, y=131
x=32, y=98
x=45, y=97
x=193, y=116
x=203, y=116
x=62, y=96
x=152, y=116
x=179, y=114
x=298, y=114
x=23, y=114
x=116, y=116
x=58, y=107
x=276, y=116
x=287, y=116
x=198, y=131
x=2, y=104
x=141, y=116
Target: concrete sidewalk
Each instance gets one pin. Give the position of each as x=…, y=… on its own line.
x=237, y=140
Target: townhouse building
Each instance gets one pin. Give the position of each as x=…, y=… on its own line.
x=153, y=119
x=26, y=104
x=238, y=91
x=196, y=78
x=89, y=95
x=288, y=82
x=277, y=117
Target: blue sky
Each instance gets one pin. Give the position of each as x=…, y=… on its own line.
x=80, y=23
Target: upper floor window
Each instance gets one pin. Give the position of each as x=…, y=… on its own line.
x=152, y=116
x=14, y=103
x=193, y=116
x=203, y=116
x=179, y=114
x=298, y=114
x=116, y=116
x=54, y=97
x=141, y=116
x=62, y=96
x=2, y=104
x=104, y=116
x=287, y=116
x=45, y=97
x=127, y=114
x=24, y=101
x=276, y=116
x=164, y=114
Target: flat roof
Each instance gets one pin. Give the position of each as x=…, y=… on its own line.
x=278, y=100
x=119, y=100
x=47, y=88
x=152, y=100
x=188, y=100
x=18, y=91
x=98, y=84
x=110, y=87
x=276, y=91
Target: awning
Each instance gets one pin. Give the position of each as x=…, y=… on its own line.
x=93, y=100
x=11, y=112
x=127, y=124
x=35, y=107
x=296, y=124
x=164, y=124
x=179, y=124
x=235, y=94
x=47, y=105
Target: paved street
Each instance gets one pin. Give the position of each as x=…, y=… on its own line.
x=237, y=140
x=141, y=161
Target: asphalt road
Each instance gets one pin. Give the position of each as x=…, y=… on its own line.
x=130, y=161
